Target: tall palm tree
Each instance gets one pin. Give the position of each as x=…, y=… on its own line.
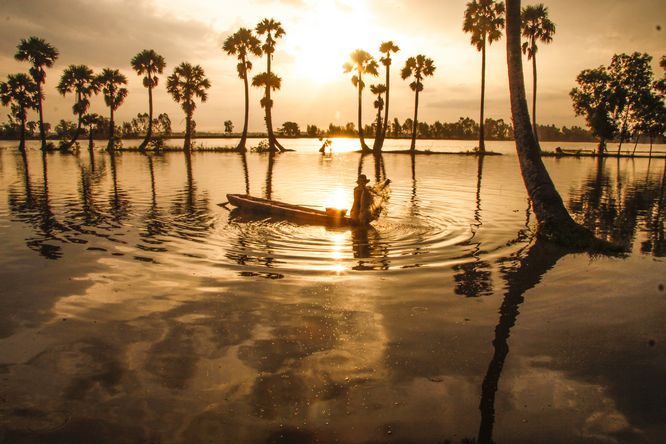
x=273, y=30
x=41, y=54
x=81, y=80
x=419, y=67
x=554, y=221
x=361, y=62
x=21, y=93
x=150, y=63
x=242, y=44
x=110, y=82
x=386, y=48
x=378, y=90
x=484, y=19
x=185, y=85
x=536, y=26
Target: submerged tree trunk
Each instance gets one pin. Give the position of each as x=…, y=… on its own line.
x=109, y=146
x=554, y=221
x=482, y=143
x=241, y=145
x=149, y=132
x=415, y=123
x=42, y=133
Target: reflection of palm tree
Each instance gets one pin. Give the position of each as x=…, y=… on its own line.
x=269, y=81
x=536, y=26
x=191, y=208
x=155, y=226
x=150, y=63
x=80, y=80
x=21, y=92
x=185, y=85
x=118, y=201
x=110, y=81
x=41, y=54
x=242, y=44
x=419, y=67
x=386, y=48
x=474, y=278
x=527, y=273
x=246, y=171
x=483, y=19
x=361, y=62
x=268, y=191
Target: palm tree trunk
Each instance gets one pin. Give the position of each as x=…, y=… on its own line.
x=241, y=144
x=482, y=144
x=272, y=140
x=109, y=146
x=364, y=147
x=386, y=110
x=534, y=94
x=415, y=122
x=622, y=131
x=246, y=172
x=22, y=141
x=149, y=132
x=42, y=133
x=633, y=153
x=554, y=221
x=188, y=134
x=90, y=140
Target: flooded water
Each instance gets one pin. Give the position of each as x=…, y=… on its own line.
x=135, y=309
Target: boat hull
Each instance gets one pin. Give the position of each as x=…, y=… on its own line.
x=285, y=210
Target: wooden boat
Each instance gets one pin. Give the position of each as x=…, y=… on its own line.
x=284, y=210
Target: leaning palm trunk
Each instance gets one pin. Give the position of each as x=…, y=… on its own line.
x=272, y=140
x=364, y=147
x=554, y=221
x=534, y=95
x=386, y=109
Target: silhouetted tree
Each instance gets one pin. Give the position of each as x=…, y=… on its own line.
x=419, y=67
x=150, y=63
x=228, y=126
x=21, y=93
x=110, y=81
x=361, y=62
x=185, y=85
x=40, y=54
x=484, y=19
x=385, y=48
x=290, y=129
x=269, y=81
x=243, y=44
x=378, y=90
x=554, y=221
x=536, y=26
x=92, y=121
x=81, y=80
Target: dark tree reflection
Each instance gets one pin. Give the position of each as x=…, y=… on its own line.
x=119, y=201
x=473, y=277
x=616, y=211
x=191, y=208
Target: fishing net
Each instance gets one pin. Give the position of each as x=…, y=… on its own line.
x=380, y=193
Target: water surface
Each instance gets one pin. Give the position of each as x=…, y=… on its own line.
x=135, y=309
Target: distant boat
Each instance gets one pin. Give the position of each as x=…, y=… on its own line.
x=297, y=213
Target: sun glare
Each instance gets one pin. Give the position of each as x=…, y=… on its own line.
x=327, y=36
x=337, y=199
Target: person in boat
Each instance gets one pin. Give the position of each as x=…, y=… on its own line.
x=360, y=210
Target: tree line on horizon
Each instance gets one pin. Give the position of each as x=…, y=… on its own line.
x=615, y=104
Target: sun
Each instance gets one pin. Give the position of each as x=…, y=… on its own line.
x=327, y=35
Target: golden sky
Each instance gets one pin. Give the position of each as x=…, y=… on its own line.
x=320, y=34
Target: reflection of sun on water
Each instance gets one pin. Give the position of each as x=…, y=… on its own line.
x=337, y=242
x=344, y=145
x=337, y=199
x=324, y=40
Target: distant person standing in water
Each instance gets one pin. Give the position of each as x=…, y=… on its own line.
x=360, y=210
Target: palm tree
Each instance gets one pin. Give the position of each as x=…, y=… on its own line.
x=241, y=44
x=268, y=80
x=386, y=48
x=484, y=19
x=361, y=62
x=109, y=82
x=79, y=79
x=378, y=90
x=92, y=121
x=186, y=84
x=554, y=221
x=150, y=63
x=536, y=26
x=419, y=67
x=22, y=94
x=41, y=54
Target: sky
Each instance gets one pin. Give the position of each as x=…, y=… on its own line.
x=320, y=35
